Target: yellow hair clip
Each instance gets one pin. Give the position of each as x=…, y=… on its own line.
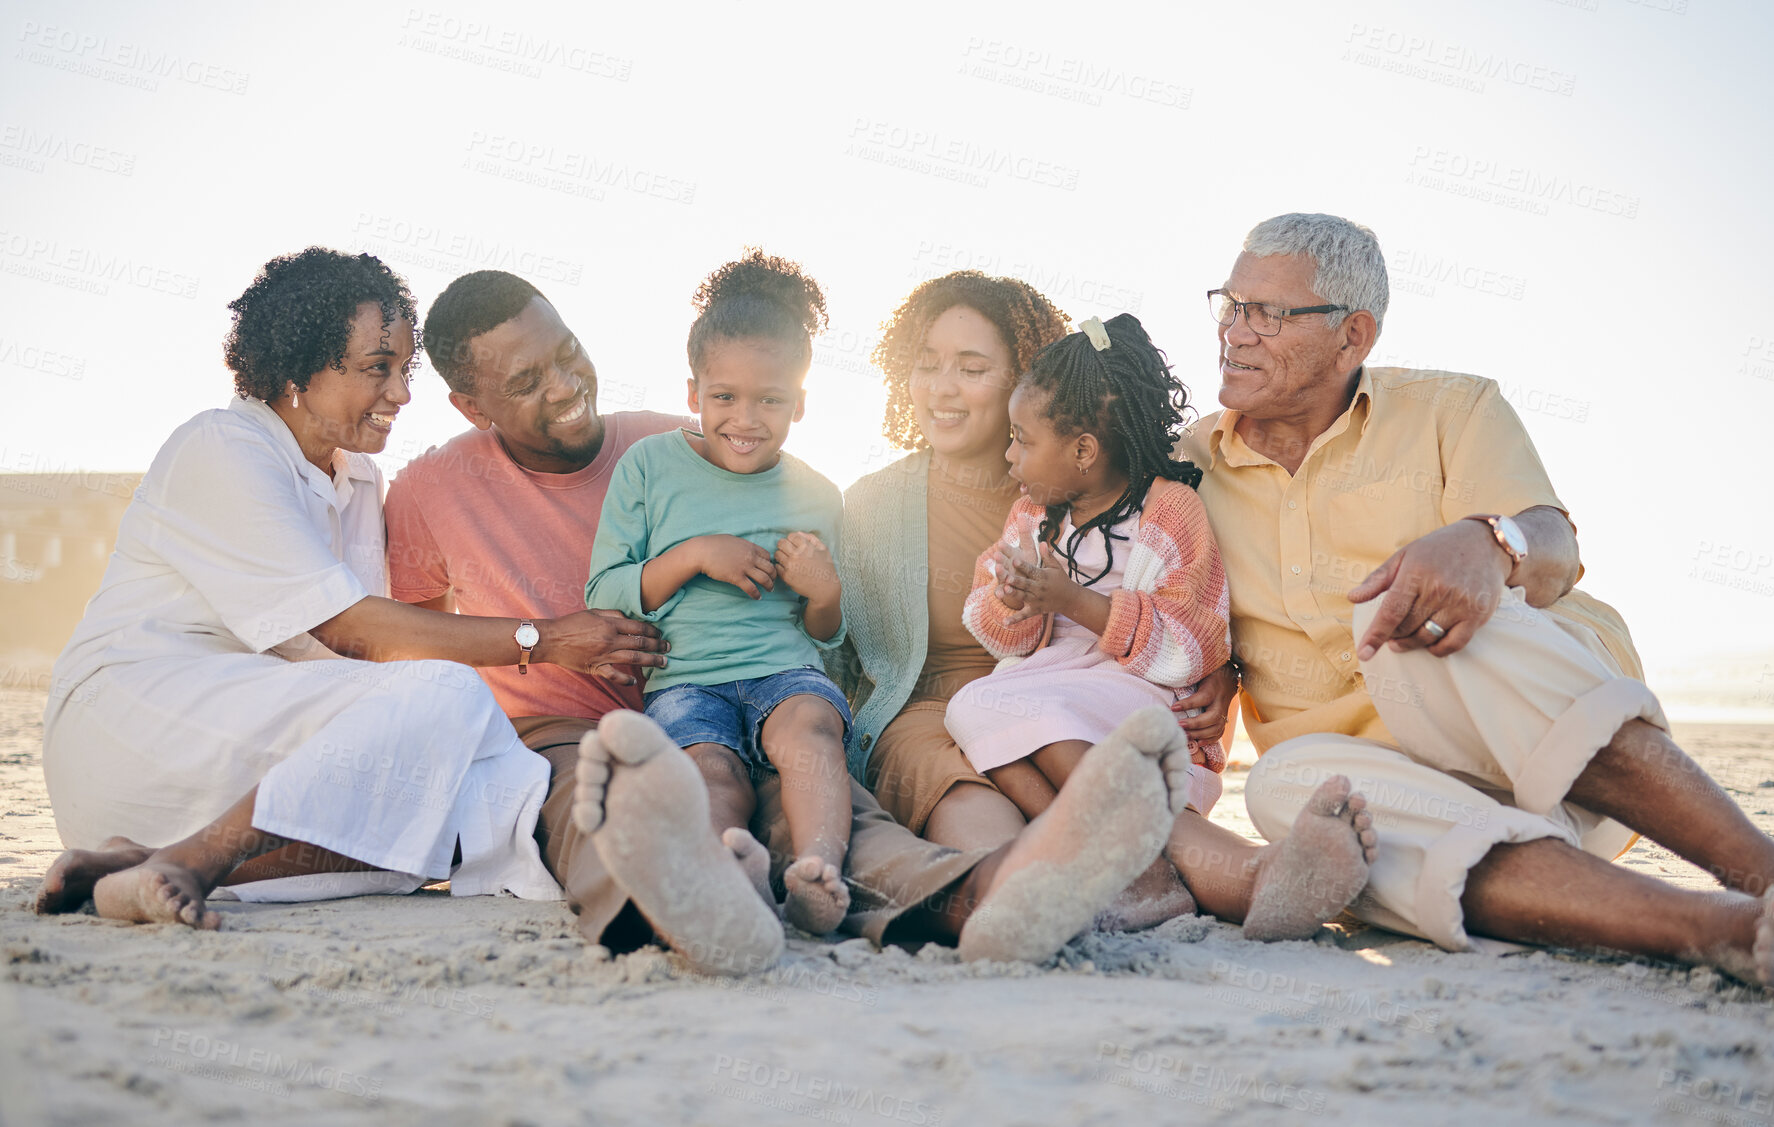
x=1099, y=336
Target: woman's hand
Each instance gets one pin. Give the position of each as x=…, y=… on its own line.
x=1213, y=697
x=736, y=560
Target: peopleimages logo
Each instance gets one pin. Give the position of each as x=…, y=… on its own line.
x=929, y=151
x=36, y=147
x=128, y=64
x=87, y=268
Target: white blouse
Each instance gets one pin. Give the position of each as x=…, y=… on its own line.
x=236, y=543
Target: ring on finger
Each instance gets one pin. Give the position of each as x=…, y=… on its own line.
x=1435, y=629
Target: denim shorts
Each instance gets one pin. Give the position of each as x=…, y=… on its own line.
x=733, y=714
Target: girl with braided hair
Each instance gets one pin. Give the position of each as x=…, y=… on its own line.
x=1105, y=593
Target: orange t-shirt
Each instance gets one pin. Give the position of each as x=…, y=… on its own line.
x=510, y=543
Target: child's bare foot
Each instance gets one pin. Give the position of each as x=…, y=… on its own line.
x=1306, y=879
x=155, y=892
x=1104, y=828
x=817, y=899
x=1156, y=895
x=68, y=883
x=645, y=802
x=754, y=860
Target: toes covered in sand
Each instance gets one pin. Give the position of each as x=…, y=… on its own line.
x=1309, y=877
x=753, y=858
x=1361, y=820
x=817, y=899
x=155, y=892
x=590, y=782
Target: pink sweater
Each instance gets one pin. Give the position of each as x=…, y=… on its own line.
x=1168, y=622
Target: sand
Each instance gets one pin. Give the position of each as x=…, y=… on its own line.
x=428, y=1010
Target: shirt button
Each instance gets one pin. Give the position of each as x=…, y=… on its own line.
x=869, y=739
x=1345, y=655
x=1296, y=569
x=1293, y=504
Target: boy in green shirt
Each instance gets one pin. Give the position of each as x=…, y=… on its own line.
x=723, y=541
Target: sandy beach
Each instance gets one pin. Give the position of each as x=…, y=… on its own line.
x=428, y=1010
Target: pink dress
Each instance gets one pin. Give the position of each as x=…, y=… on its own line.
x=1067, y=690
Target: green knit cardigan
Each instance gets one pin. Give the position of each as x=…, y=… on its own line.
x=884, y=555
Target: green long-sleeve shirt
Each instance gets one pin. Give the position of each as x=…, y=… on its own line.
x=663, y=493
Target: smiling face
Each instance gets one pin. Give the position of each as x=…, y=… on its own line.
x=537, y=390
x=747, y=392
x=961, y=383
x=353, y=408
x=1046, y=462
x=1294, y=372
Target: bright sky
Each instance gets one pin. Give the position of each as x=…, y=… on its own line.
x=1572, y=195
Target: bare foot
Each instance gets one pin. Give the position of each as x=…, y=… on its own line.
x=1156, y=895
x=646, y=805
x=1312, y=875
x=817, y=899
x=1762, y=953
x=754, y=861
x=155, y=892
x=68, y=883
x=1104, y=828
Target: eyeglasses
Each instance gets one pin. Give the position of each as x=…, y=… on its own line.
x=1264, y=320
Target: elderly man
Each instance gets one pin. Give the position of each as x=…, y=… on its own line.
x=1403, y=611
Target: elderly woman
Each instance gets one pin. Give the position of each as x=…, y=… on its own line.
x=952, y=355
x=216, y=695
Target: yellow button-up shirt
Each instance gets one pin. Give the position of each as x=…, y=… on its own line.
x=1415, y=451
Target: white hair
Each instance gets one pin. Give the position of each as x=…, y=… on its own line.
x=1351, y=269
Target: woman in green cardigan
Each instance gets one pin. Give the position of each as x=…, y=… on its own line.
x=911, y=533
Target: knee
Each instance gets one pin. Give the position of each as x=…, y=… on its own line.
x=448, y=686
x=807, y=751
x=804, y=720
x=1284, y=771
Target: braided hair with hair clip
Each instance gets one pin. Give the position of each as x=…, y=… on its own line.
x=1128, y=398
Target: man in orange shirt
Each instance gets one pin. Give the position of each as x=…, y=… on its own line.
x=500, y=521
x=1404, y=612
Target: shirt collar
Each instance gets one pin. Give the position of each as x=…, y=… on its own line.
x=1224, y=441
x=336, y=487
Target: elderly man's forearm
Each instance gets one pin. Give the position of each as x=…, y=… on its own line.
x=1552, y=565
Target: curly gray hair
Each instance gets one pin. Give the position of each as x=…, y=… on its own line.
x=1351, y=269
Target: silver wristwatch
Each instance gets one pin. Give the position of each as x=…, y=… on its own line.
x=1508, y=535
x=526, y=637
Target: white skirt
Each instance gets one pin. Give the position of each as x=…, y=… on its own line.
x=390, y=763
x=1067, y=690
